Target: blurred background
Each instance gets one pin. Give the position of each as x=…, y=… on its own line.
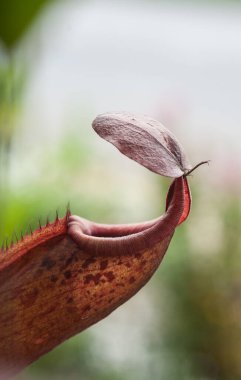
x=61, y=64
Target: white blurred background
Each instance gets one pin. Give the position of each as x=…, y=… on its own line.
x=179, y=63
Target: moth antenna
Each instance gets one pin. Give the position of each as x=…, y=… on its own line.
x=39, y=223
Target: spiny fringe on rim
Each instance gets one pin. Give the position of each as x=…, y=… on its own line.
x=15, y=239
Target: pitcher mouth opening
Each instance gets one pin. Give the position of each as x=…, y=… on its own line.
x=113, y=231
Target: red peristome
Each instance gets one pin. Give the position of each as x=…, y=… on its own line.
x=187, y=199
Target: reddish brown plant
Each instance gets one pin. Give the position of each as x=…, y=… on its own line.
x=70, y=274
